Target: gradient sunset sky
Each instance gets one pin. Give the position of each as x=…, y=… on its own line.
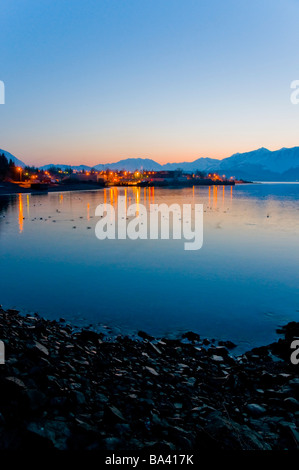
x=96, y=81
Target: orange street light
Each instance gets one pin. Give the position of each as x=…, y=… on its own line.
x=19, y=169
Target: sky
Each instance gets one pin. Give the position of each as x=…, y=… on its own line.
x=96, y=81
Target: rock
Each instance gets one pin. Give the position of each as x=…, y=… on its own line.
x=123, y=428
x=12, y=311
x=294, y=383
x=216, y=358
x=79, y=397
x=89, y=335
x=144, y=335
x=295, y=435
x=289, y=430
x=291, y=403
x=55, y=431
x=30, y=441
x=222, y=433
x=155, y=348
x=227, y=344
x=14, y=384
x=255, y=410
x=58, y=402
x=101, y=398
x=41, y=348
x=152, y=371
x=113, y=414
x=112, y=443
x=67, y=389
x=190, y=336
x=37, y=399
x=218, y=351
x=290, y=331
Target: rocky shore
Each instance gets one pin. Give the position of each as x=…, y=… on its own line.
x=64, y=389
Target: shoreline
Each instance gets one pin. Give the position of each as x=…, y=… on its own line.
x=66, y=389
x=10, y=189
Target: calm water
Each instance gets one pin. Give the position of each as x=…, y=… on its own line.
x=239, y=286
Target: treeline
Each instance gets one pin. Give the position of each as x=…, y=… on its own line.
x=7, y=168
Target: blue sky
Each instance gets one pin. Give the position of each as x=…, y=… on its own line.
x=172, y=80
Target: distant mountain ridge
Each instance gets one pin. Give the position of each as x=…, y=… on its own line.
x=258, y=165
x=9, y=157
x=64, y=167
x=131, y=164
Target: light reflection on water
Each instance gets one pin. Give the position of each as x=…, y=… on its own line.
x=239, y=286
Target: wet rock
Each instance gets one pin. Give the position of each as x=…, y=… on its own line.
x=12, y=311
x=152, y=371
x=65, y=388
x=218, y=351
x=30, y=441
x=294, y=383
x=56, y=432
x=190, y=336
x=89, y=335
x=228, y=434
x=155, y=348
x=13, y=384
x=37, y=399
x=113, y=414
x=291, y=403
x=216, y=358
x=227, y=344
x=255, y=409
x=79, y=397
x=41, y=348
x=112, y=443
x=144, y=335
x=290, y=331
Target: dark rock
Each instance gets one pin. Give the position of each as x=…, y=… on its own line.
x=37, y=399
x=255, y=409
x=218, y=351
x=79, y=397
x=113, y=414
x=227, y=344
x=63, y=389
x=294, y=383
x=190, y=336
x=89, y=335
x=224, y=433
x=55, y=431
x=291, y=403
x=144, y=335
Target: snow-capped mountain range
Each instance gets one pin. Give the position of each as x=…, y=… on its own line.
x=258, y=165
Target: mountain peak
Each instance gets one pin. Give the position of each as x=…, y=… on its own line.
x=260, y=164
x=9, y=156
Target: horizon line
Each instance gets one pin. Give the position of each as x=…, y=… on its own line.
x=147, y=158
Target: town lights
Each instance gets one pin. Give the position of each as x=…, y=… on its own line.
x=19, y=169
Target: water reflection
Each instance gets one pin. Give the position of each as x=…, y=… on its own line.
x=239, y=286
x=28, y=205
x=21, y=217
